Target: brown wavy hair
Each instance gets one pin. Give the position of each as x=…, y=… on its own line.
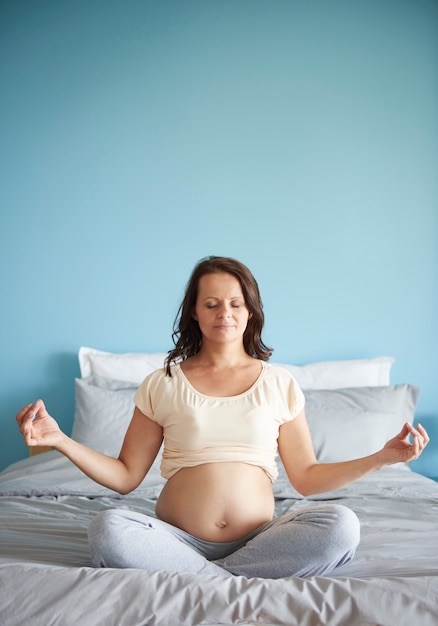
x=187, y=336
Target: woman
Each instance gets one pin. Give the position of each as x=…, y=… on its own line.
x=222, y=411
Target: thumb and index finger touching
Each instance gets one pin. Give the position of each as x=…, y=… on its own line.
x=29, y=412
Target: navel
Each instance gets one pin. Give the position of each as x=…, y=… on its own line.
x=221, y=524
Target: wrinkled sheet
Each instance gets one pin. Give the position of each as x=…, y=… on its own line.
x=46, y=575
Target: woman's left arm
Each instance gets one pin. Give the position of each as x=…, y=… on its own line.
x=309, y=477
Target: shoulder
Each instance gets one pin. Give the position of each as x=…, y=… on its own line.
x=159, y=376
x=154, y=387
x=279, y=373
x=283, y=382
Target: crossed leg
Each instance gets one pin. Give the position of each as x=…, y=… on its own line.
x=310, y=542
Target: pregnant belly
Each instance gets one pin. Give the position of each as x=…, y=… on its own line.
x=217, y=501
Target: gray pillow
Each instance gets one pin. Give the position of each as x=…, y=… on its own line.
x=104, y=409
x=103, y=412
x=350, y=423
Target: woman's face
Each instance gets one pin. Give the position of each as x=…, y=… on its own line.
x=220, y=309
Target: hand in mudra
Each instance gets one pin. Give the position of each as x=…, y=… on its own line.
x=401, y=449
x=37, y=426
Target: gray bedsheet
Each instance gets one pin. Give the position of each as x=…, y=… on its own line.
x=46, y=577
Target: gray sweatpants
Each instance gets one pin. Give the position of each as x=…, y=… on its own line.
x=312, y=541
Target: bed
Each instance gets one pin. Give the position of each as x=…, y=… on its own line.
x=46, y=504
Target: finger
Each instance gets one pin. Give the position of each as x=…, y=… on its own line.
x=413, y=431
x=22, y=413
x=404, y=431
x=29, y=440
x=28, y=416
x=424, y=433
x=42, y=411
x=412, y=451
x=422, y=437
x=408, y=433
x=416, y=446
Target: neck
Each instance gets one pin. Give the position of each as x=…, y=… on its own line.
x=223, y=356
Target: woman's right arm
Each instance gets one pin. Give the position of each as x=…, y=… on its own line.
x=140, y=447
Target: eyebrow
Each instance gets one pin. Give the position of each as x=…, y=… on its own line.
x=216, y=298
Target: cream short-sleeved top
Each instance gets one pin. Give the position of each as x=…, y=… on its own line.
x=201, y=429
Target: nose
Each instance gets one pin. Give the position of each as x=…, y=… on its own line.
x=224, y=311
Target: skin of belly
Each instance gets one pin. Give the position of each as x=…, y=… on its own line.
x=217, y=502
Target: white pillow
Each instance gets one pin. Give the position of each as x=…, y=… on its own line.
x=130, y=366
x=135, y=366
x=373, y=372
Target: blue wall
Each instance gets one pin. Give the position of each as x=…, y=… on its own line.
x=139, y=136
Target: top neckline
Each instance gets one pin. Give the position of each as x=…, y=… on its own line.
x=188, y=384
